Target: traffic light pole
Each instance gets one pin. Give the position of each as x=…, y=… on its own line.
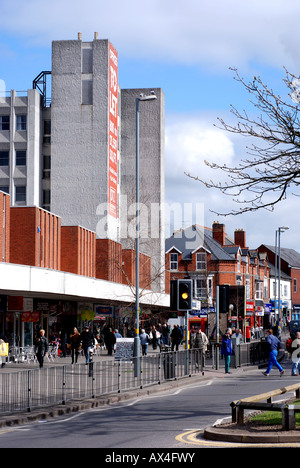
x=187, y=342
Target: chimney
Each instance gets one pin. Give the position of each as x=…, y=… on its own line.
x=219, y=232
x=96, y=36
x=240, y=238
x=79, y=36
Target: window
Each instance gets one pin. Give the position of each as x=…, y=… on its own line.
x=295, y=285
x=200, y=288
x=258, y=290
x=4, y=122
x=173, y=261
x=201, y=261
x=87, y=61
x=47, y=131
x=21, y=121
x=4, y=158
x=20, y=158
x=87, y=92
x=21, y=194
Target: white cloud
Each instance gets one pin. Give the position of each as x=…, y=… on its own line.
x=192, y=140
x=213, y=33
x=189, y=140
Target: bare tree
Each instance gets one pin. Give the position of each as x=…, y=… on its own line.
x=272, y=166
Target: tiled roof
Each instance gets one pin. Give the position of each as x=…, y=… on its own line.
x=291, y=256
x=192, y=238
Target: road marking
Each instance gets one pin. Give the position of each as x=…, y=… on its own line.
x=194, y=437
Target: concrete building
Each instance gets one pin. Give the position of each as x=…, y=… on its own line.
x=76, y=157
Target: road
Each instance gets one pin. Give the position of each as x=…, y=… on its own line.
x=156, y=421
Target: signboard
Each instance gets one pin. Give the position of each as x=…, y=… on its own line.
x=103, y=311
x=113, y=134
x=124, y=349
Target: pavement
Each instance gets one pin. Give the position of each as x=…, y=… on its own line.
x=226, y=432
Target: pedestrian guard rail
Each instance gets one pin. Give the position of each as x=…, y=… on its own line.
x=256, y=403
x=27, y=389
x=31, y=388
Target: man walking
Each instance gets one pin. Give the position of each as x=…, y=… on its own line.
x=199, y=345
x=275, y=345
x=87, y=340
x=42, y=345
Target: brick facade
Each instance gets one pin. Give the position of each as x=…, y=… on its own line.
x=78, y=250
x=108, y=260
x=35, y=237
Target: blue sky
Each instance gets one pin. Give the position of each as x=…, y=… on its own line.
x=186, y=48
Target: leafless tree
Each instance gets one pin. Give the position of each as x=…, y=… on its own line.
x=272, y=167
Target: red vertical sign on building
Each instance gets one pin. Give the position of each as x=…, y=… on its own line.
x=113, y=134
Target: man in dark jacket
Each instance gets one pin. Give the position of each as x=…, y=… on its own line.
x=41, y=344
x=176, y=337
x=87, y=339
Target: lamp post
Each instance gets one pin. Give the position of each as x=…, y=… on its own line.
x=137, y=366
x=278, y=232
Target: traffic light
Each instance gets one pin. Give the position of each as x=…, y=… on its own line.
x=223, y=299
x=184, y=297
x=173, y=295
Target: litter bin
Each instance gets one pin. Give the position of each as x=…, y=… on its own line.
x=169, y=365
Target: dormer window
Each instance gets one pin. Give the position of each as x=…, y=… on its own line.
x=201, y=261
x=173, y=261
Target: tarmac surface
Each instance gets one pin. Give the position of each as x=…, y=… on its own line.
x=226, y=432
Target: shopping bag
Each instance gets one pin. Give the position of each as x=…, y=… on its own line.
x=3, y=348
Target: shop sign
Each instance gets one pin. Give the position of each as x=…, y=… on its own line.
x=268, y=308
x=249, y=306
x=104, y=311
x=31, y=316
x=113, y=134
x=15, y=303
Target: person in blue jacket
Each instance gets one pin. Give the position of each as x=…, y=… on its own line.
x=274, y=345
x=226, y=349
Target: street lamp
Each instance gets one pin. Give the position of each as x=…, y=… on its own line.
x=278, y=261
x=142, y=97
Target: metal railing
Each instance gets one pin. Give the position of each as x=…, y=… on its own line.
x=33, y=388
x=57, y=384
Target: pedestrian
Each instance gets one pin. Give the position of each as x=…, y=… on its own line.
x=226, y=349
x=41, y=347
x=176, y=337
x=110, y=341
x=154, y=337
x=87, y=341
x=3, y=357
x=75, y=345
x=144, y=339
x=166, y=334
x=117, y=334
x=295, y=351
x=199, y=344
x=274, y=345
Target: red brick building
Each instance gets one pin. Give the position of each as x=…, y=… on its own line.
x=290, y=265
x=35, y=237
x=78, y=250
x=210, y=258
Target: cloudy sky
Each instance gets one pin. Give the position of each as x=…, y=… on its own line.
x=186, y=48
